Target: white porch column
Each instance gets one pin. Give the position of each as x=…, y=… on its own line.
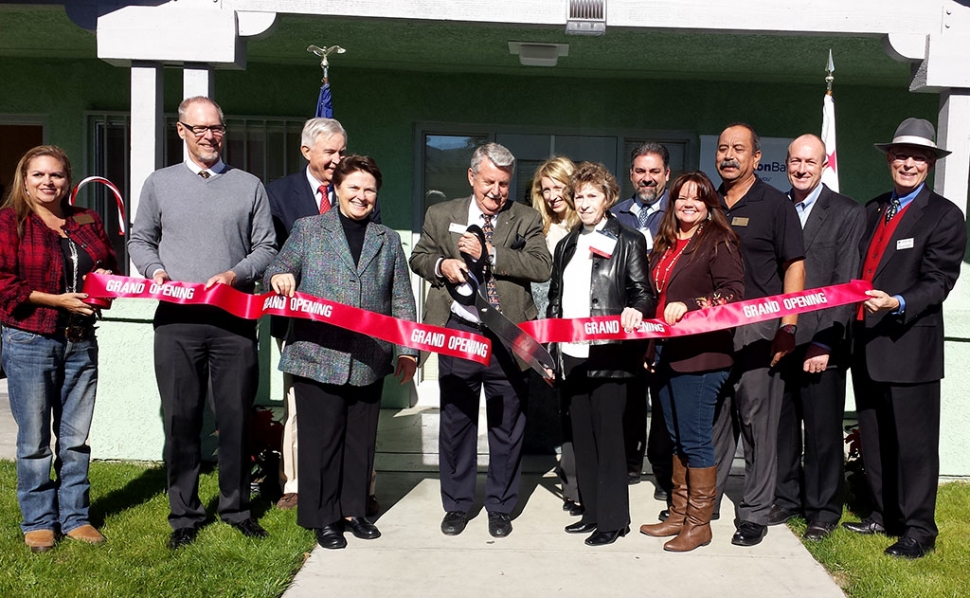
x=953, y=133
x=147, y=133
x=197, y=80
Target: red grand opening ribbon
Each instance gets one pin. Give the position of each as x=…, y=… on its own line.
x=435, y=339
x=122, y=221
x=710, y=319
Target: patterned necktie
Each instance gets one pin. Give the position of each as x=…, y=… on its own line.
x=490, y=289
x=642, y=216
x=205, y=174
x=324, y=200
x=892, y=209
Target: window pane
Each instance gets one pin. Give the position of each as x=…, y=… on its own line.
x=446, y=159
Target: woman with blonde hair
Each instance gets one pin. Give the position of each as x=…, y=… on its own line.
x=552, y=197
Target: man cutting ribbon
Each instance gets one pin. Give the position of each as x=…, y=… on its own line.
x=517, y=256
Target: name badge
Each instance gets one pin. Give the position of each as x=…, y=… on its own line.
x=904, y=244
x=454, y=227
x=648, y=237
x=602, y=244
x=88, y=219
x=738, y=221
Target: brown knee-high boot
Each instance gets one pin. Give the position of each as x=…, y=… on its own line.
x=678, y=504
x=701, y=493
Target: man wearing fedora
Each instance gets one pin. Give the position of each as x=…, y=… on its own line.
x=911, y=252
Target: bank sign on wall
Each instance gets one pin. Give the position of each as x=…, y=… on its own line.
x=772, y=169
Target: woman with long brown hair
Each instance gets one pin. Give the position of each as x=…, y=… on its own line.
x=695, y=263
x=50, y=352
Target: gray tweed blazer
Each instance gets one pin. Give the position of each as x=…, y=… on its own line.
x=317, y=254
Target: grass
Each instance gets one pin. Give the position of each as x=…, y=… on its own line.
x=130, y=507
x=858, y=564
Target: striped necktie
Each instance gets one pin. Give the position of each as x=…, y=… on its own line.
x=892, y=209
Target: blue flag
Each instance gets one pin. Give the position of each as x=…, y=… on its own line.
x=324, y=103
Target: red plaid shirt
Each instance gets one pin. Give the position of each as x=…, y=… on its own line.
x=34, y=262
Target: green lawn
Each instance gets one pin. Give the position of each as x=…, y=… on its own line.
x=130, y=508
x=862, y=570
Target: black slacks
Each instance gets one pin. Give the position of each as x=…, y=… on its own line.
x=336, y=435
x=506, y=388
x=900, y=429
x=817, y=402
x=597, y=411
x=195, y=349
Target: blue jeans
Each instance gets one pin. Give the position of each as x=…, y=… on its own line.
x=688, y=401
x=48, y=376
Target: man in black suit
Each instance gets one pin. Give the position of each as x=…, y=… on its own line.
x=304, y=193
x=911, y=251
x=814, y=374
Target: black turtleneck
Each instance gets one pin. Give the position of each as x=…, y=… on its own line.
x=354, y=231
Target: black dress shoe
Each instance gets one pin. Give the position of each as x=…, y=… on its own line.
x=818, y=530
x=577, y=510
x=580, y=527
x=331, y=537
x=183, y=536
x=664, y=515
x=363, y=529
x=499, y=525
x=454, y=523
x=749, y=534
x=633, y=477
x=866, y=527
x=568, y=504
x=909, y=548
x=249, y=528
x=603, y=538
x=779, y=515
x=660, y=494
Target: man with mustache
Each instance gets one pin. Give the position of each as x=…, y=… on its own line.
x=814, y=376
x=516, y=256
x=649, y=173
x=773, y=253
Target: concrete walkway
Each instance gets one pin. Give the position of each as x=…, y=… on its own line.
x=413, y=558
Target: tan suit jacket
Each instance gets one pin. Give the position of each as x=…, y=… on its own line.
x=521, y=257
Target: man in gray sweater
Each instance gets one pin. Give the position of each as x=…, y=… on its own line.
x=203, y=221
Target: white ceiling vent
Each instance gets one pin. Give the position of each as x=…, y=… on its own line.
x=586, y=17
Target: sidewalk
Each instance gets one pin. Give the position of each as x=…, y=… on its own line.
x=413, y=558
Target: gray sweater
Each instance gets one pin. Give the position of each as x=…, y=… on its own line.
x=195, y=228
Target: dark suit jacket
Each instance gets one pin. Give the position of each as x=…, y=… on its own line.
x=521, y=257
x=318, y=256
x=291, y=198
x=832, y=233
x=707, y=275
x=908, y=348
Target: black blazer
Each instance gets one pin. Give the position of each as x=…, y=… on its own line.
x=291, y=198
x=921, y=263
x=832, y=234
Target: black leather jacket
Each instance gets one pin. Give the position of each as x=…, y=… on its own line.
x=620, y=281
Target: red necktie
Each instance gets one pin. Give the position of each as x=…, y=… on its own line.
x=324, y=200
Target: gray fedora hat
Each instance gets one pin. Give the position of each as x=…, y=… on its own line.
x=917, y=132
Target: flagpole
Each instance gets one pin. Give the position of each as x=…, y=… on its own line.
x=324, y=100
x=830, y=173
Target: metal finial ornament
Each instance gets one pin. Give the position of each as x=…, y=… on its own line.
x=323, y=53
x=829, y=78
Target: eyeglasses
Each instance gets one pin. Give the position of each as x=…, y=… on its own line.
x=199, y=130
x=917, y=158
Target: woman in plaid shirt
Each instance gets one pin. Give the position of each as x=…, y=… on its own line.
x=50, y=352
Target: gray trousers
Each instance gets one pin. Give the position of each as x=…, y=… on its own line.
x=750, y=407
